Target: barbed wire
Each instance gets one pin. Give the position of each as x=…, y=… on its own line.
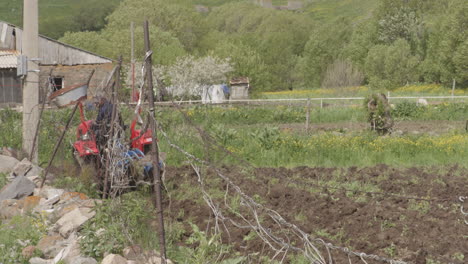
x=213, y=142
x=462, y=210
x=310, y=250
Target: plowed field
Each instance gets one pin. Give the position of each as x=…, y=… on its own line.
x=410, y=214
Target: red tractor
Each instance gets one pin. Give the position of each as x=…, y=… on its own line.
x=138, y=141
x=86, y=149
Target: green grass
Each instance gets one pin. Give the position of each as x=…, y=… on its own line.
x=262, y=135
x=55, y=16
x=17, y=231
x=330, y=10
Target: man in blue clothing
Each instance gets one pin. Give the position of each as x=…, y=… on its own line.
x=103, y=120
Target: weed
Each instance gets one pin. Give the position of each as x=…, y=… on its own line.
x=250, y=236
x=300, y=217
x=391, y=250
x=386, y=225
x=209, y=249
x=422, y=207
x=19, y=232
x=458, y=256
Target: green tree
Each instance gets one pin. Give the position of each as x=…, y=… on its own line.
x=246, y=62
x=446, y=50
x=182, y=21
x=390, y=66
x=324, y=46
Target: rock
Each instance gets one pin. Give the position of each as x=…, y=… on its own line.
x=10, y=208
x=30, y=202
x=114, y=259
x=73, y=220
x=7, y=163
x=50, y=245
x=25, y=168
x=73, y=196
x=132, y=252
x=62, y=209
x=422, y=101
x=157, y=260
x=17, y=189
x=28, y=251
x=51, y=192
x=36, y=179
x=48, y=192
x=40, y=261
x=152, y=257
x=70, y=252
x=83, y=260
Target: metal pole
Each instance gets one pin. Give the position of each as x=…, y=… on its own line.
x=58, y=144
x=31, y=83
x=154, y=148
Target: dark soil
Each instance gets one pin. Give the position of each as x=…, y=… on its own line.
x=410, y=127
x=388, y=223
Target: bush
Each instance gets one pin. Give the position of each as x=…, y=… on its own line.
x=407, y=110
x=379, y=113
x=342, y=73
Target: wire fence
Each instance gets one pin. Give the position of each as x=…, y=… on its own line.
x=285, y=237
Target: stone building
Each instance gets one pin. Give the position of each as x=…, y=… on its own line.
x=240, y=87
x=67, y=66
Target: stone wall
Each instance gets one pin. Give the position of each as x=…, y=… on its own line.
x=77, y=74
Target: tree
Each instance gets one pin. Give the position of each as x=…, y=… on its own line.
x=390, y=66
x=324, y=46
x=189, y=75
x=446, y=49
x=246, y=61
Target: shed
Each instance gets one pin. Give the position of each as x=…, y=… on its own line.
x=239, y=88
x=70, y=65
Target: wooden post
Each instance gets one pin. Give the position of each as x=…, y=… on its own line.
x=36, y=134
x=308, y=115
x=115, y=88
x=58, y=144
x=154, y=148
x=453, y=88
x=132, y=97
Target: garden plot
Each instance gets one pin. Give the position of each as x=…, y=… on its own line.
x=411, y=214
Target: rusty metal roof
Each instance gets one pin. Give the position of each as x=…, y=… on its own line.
x=239, y=80
x=8, y=59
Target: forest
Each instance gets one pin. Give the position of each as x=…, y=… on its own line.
x=326, y=44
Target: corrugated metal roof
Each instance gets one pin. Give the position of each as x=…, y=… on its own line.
x=8, y=59
x=51, y=51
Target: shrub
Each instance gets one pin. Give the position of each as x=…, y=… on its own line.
x=407, y=110
x=342, y=73
x=379, y=113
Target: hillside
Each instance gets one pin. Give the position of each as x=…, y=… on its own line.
x=59, y=16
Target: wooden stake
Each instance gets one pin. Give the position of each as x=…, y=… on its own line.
x=308, y=115
x=154, y=148
x=115, y=88
x=44, y=99
x=58, y=144
x=453, y=88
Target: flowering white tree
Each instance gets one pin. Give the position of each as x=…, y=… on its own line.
x=189, y=75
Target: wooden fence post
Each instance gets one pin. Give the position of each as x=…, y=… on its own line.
x=308, y=115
